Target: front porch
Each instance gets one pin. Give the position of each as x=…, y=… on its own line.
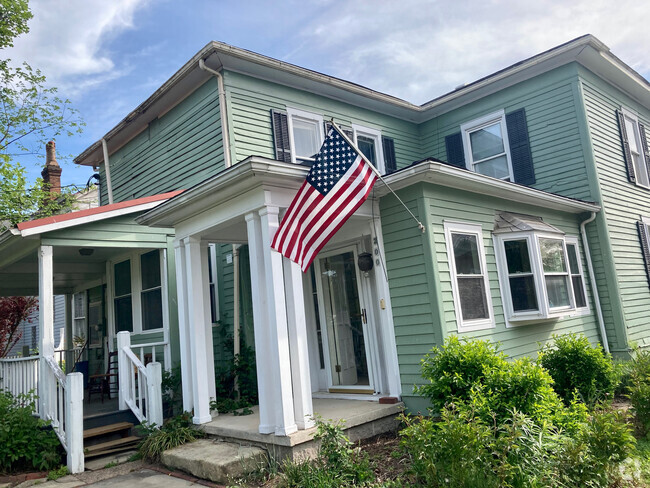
x=360, y=420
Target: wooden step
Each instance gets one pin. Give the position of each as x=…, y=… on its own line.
x=107, y=429
x=109, y=447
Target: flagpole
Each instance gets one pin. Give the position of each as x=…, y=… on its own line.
x=376, y=171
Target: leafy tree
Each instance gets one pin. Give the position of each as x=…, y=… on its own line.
x=31, y=113
x=13, y=312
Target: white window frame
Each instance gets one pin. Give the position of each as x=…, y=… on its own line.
x=76, y=317
x=136, y=292
x=574, y=241
x=307, y=116
x=476, y=230
x=360, y=130
x=481, y=122
x=633, y=117
x=544, y=311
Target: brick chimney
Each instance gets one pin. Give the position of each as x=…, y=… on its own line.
x=52, y=171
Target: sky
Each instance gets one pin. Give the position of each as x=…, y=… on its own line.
x=109, y=56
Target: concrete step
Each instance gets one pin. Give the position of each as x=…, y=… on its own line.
x=215, y=460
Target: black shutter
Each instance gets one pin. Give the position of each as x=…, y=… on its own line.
x=388, y=146
x=644, y=146
x=455, y=153
x=281, y=136
x=627, y=154
x=645, y=246
x=522, y=158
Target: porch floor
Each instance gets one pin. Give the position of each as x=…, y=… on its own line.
x=362, y=419
x=97, y=407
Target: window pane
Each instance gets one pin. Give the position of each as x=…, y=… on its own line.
x=150, y=266
x=552, y=255
x=80, y=304
x=210, y=279
x=557, y=288
x=152, y=310
x=306, y=138
x=573, y=258
x=213, y=303
x=579, y=292
x=631, y=135
x=522, y=289
x=466, y=254
x=122, y=278
x=123, y=314
x=473, y=301
x=367, y=147
x=496, y=167
x=486, y=142
x=517, y=256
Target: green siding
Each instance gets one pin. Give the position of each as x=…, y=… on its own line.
x=179, y=150
x=550, y=104
x=420, y=281
x=251, y=99
x=623, y=204
x=121, y=232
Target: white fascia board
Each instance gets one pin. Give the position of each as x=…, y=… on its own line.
x=42, y=229
x=445, y=175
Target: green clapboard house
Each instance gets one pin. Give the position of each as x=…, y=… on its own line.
x=532, y=184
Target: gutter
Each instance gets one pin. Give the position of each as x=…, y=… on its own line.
x=225, y=133
x=592, y=280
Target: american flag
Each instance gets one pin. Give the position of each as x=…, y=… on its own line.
x=337, y=184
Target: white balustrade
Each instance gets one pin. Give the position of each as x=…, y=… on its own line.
x=139, y=385
x=19, y=375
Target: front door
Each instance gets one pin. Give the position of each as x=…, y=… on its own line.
x=343, y=312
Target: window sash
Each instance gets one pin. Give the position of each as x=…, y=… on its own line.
x=636, y=150
x=471, y=290
x=300, y=120
x=374, y=135
x=483, y=123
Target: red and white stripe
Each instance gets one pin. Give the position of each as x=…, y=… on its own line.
x=312, y=219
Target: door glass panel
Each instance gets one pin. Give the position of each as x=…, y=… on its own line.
x=347, y=348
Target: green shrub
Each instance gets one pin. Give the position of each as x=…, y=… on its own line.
x=175, y=431
x=576, y=366
x=639, y=389
x=455, y=367
x=26, y=442
x=339, y=463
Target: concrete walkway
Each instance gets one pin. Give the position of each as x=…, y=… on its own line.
x=127, y=475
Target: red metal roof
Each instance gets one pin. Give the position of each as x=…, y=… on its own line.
x=30, y=224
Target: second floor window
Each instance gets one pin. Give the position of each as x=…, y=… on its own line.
x=486, y=146
x=305, y=135
x=635, y=148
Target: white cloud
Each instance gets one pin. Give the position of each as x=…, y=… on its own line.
x=418, y=50
x=68, y=40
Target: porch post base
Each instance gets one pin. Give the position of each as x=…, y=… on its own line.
x=266, y=429
x=287, y=430
x=307, y=423
x=201, y=420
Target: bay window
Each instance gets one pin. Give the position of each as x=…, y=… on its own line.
x=540, y=274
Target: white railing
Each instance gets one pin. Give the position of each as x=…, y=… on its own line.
x=148, y=353
x=19, y=375
x=139, y=385
x=61, y=403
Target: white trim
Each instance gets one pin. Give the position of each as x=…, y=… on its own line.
x=543, y=312
x=480, y=123
x=476, y=230
x=360, y=130
x=645, y=220
x=41, y=229
x=574, y=241
x=632, y=116
x=309, y=117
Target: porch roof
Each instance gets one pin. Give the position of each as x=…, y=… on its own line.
x=105, y=231
x=254, y=172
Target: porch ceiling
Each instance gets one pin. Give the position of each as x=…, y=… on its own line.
x=71, y=270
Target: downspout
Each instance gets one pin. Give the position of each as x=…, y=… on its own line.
x=592, y=279
x=107, y=169
x=225, y=134
x=235, y=298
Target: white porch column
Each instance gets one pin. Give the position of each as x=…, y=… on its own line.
x=260, y=321
x=299, y=348
x=280, y=364
x=183, y=323
x=45, y=326
x=207, y=320
x=197, y=330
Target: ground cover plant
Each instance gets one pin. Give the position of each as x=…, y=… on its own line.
x=26, y=442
